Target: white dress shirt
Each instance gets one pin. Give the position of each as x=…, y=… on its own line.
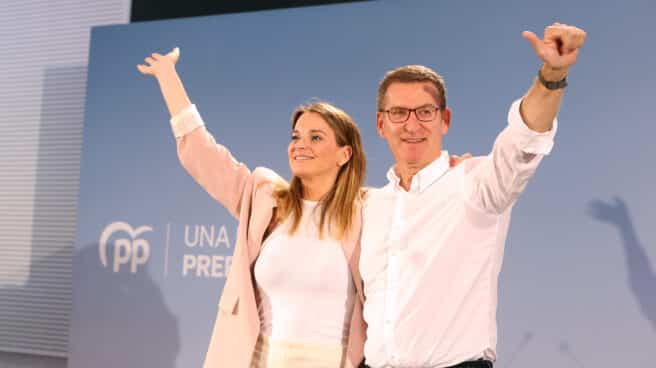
x=431, y=256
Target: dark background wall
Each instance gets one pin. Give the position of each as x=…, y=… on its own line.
x=143, y=10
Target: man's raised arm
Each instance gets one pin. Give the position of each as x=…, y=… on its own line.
x=558, y=50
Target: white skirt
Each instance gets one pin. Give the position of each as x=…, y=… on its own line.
x=283, y=354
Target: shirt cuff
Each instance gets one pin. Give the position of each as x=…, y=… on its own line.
x=186, y=121
x=530, y=141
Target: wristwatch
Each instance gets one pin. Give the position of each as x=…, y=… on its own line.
x=552, y=85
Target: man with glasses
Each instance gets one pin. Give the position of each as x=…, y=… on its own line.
x=433, y=238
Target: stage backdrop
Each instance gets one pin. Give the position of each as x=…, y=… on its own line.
x=577, y=288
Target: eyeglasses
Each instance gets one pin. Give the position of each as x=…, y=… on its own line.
x=399, y=115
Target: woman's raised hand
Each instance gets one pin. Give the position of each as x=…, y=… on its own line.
x=158, y=64
x=162, y=67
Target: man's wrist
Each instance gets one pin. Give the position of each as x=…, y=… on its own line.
x=552, y=78
x=553, y=74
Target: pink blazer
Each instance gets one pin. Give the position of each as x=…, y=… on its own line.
x=248, y=196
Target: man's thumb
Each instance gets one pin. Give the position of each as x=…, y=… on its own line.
x=532, y=39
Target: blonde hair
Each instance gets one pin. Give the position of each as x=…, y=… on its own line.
x=339, y=205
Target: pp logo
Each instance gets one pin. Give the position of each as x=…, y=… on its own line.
x=130, y=251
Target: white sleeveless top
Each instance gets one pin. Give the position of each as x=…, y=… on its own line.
x=305, y=288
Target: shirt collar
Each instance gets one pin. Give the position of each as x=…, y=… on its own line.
x=424, y=177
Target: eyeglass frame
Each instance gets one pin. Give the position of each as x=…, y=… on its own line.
x=410, y=111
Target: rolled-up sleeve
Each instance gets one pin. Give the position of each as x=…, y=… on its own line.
x=494, y=182
x=209, y=163
x=186, y=121
x=528, y=140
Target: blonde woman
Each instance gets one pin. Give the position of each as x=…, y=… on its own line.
x=294, y=296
